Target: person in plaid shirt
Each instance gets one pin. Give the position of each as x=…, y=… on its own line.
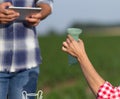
x=101, y=88
x=19, y=49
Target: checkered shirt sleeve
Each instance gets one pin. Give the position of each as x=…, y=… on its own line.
x=108, y=91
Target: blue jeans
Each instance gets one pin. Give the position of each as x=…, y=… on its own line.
x=13, y=84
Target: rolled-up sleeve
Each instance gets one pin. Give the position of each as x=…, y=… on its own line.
x=50, y=2
x=108, y=91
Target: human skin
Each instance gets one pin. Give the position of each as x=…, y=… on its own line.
x=36, y=18
x=77, y=49
x=8, y=15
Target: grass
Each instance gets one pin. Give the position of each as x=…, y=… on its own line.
x=58, y=80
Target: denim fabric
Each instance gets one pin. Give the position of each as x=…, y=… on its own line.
x=13, y=84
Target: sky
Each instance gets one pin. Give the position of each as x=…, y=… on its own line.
x=65, y=12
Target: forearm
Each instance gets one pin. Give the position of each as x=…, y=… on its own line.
x=76, y=48
x=93, y=78
x=46, y=10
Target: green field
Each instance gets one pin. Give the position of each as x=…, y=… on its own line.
x=58, y=80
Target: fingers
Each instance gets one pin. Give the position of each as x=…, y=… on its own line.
x=33, y=17
x=70, y=38
x=5, y=5
x=79, y=40
x=33, y=23
x=65, y=44
x=36, y=15
x=33, y=20
x=64, y=49
x=7, y=15
x=70, y=42
x=10, y=12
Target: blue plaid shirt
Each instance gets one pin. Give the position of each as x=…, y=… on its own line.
x=19, y=48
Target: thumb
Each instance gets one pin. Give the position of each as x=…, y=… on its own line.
x=5, y=5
